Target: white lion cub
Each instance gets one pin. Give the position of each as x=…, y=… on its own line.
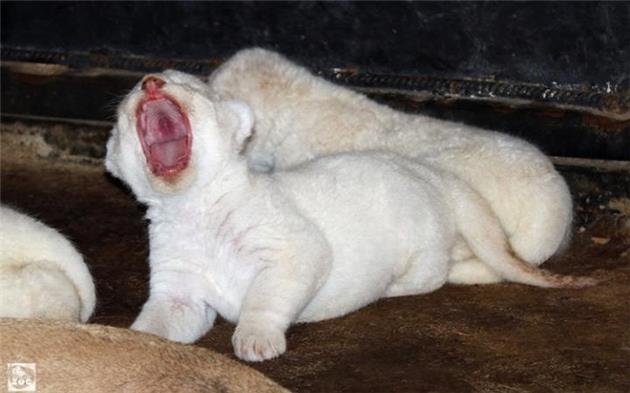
x=42, y=275
x=267, y=250
x=299, y=116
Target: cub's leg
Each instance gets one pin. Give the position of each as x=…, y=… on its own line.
x=542, y=227
x=472, y=271
x=434, y=236
x=426, y=272
x=275, y=299
x=467, y=269
x=175, y=310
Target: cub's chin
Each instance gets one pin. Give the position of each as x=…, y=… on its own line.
x=172, y=184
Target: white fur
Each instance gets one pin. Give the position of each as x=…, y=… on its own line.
x=41, y=274
x=314, y=242
x=300, y=116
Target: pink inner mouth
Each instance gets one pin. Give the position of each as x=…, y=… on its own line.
x=165, y=134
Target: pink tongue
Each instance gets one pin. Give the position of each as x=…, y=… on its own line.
x=168, y=153
x=165, y=135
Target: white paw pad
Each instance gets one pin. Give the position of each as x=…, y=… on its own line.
x=257, y=344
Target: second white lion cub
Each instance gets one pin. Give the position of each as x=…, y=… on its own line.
x=300, y=116
x=268, y=250
x=42, y=275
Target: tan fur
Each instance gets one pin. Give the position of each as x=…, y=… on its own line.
x=72, y=357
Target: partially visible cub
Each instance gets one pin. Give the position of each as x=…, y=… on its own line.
x=42, y=275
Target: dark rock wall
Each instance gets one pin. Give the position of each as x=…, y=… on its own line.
x=555, y=42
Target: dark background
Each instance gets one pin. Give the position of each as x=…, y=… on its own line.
x=542, y=42
x=554, y=73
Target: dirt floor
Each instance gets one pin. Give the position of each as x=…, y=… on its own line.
x=495, y=338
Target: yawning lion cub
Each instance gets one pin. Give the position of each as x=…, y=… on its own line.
x=266, y=250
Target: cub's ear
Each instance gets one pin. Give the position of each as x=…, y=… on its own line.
x=237, y=117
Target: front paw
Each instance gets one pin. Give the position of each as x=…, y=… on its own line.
x=173, y=320
x=255, y=344
x=151, y=324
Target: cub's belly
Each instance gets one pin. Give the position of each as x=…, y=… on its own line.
x=329, y=303
x=367, y=257
x=351, y=284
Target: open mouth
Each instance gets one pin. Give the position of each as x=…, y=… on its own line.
x=165, y=135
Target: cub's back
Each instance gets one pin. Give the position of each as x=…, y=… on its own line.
x=373, y=193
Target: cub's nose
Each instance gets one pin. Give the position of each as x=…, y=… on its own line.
x=152, y=83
